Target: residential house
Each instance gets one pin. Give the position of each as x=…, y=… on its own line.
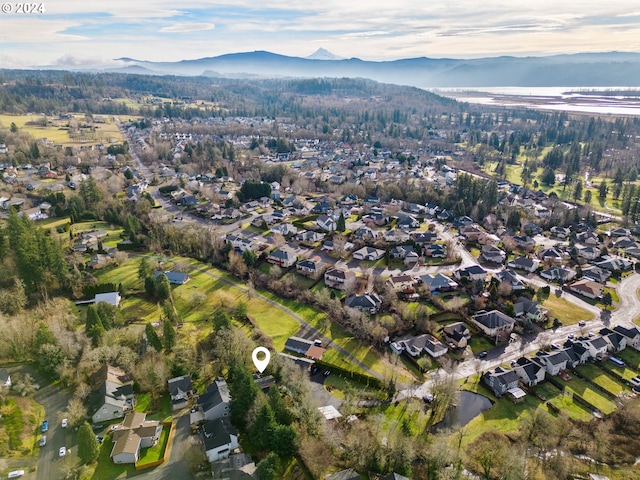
x=524, y=241
x=457, y=334
x=310, y=267
x=558, y=274
x=501, y=380
x=553, y=362
x=309, y=236
x=530, y=310
x=339, y=279
x=435, y=250
x=112, y=298
x=617, y=342
x=394, y=236
x=588, y=238
x=588, y=288
x=175, y=278
x=220, y=439
x=180, y=390
x=530, y=373
x=422, y=238
x=416, y=346
x=368, y=253
x=438, y=282
x=589, y=253
x=597, y=347
x=240, y=243
x=472, y=233
x=552, y=255
x=523, y=263
x=560, y=232
x=615, y=264
x=596, y=274
x=510, y=277
x=327, y=223
x=578, y=354
x=366, y=234
x=471, y=273
x=285, y=229
x=492, y=254
x=214, y=402
x=134, y=433
x=369, y=302
x=631, y=334
x=401, y=251
x=407, y=222
x=401, y=283
x=493, y=323
x=298, y=345
x=112, y=394
x=282, y=257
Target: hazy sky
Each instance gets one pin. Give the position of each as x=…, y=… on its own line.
x=96, y=31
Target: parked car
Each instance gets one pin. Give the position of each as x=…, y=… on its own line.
x=326, y=373
x=99, y=438
x=483, y=354
x=635, y=381
x=43, y=440
x=15, y=474
x=45, y=426
x=65, y=422
x=71, y=185
x=582, y=323
x=62, y=452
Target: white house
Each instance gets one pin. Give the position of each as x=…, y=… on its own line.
x=368, y=253
x=112, y=298
x=220, y=439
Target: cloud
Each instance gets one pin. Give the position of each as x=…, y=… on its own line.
x=187, y=27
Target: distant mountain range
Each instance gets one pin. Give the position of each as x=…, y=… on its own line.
x=576, y=70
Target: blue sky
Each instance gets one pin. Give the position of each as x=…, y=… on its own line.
x=81, y=32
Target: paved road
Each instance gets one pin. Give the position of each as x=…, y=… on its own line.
x=627, y=311
x=54, y=402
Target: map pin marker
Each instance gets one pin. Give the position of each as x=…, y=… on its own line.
x=261, y=364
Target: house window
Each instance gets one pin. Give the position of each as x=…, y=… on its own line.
x=104, y=409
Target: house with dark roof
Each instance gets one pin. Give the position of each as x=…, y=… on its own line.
x=510, y=277
x=401, y=251
x=529, y=309
x=558, y=274
x=492, y=254
x=551, y=255
x=530, y=373
x=616, y=341
x=112, y=396
x=402, y=282
x=175, y=278
x=407, y=222
x=553, y=362
x=438, y=282
x=435, y=250
x=282, y=257
x=134, y=433
x=493, y=323
x=457, y=333
x=339, y=279
x=501, y=380
x=631, y=334
x=614, y=264
x=220, y=439
x=523, y=263
x=597, y=347
x=180, y=390
x=471, y=273
x=327, y=223
x=214, y=402
x=421, y=238
x=419, y=345
x=369, y=302
x=596, y=274
x=310, y=267
x=298, y=345
x=589, y=253
x=578, y=354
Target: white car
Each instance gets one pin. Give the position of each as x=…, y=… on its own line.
x=65, y=422
x=62, y=452
x=15, y=474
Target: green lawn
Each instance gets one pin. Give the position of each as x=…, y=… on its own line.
x=153, y=454
x=300, y=280
x=583, y=389
x=566, y=312
x=599, y=377
x=563, y=402
x=143, y=404
x=408, y=415
x=631, y=356
x=480, y=344
x=340, y=387
x=106, y=469
x=625, y=372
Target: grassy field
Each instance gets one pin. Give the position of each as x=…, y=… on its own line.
x=20, y=419
x=563, y=402
x=408, y=416
x=59, y=132
x=625, y=372
x=582, y=388
x=599, y=377
x=566, y=312
x=632, y=357
x=480, y=344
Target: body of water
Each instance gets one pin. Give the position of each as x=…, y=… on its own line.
x=469, y=406
x=603, y=101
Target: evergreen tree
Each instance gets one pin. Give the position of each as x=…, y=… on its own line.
x=94, y=326
x=284, y=440
x=269, y=468
x=88, y=446
x=341, y=225
x=264, y=426
x=169, y=336
x=162, y=287
x=603, y=190
x=243, y=392
x=280, y=410
x=150, y=286
x=152, y=337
